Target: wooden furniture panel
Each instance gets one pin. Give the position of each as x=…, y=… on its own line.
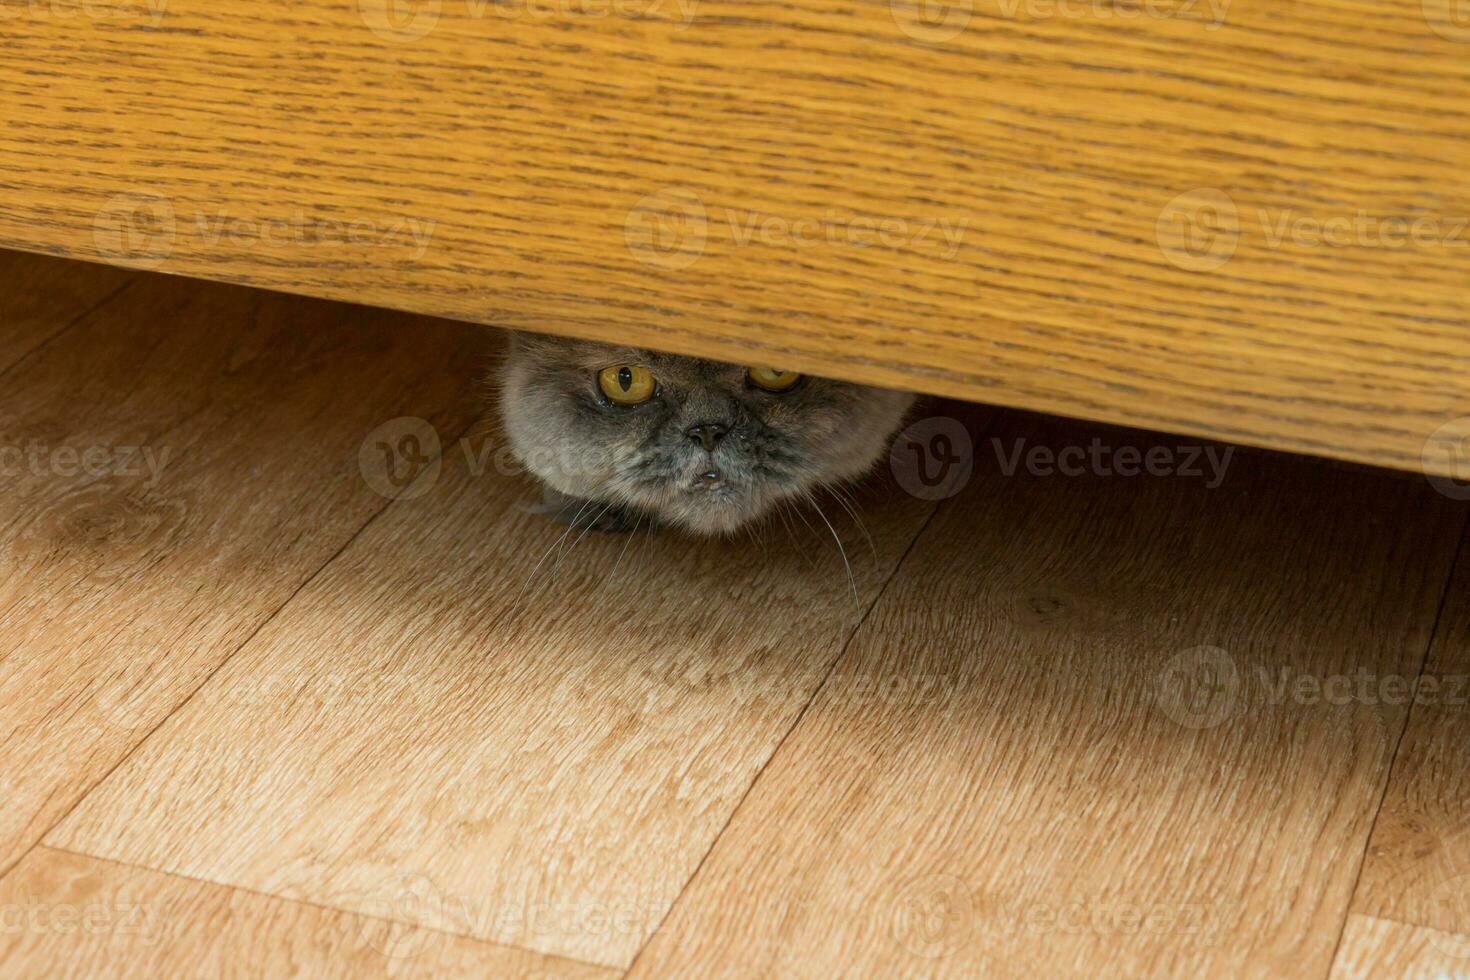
x=478, y=721
x=1246, y=220
x=75, y=916
x=1083, y=768
x=176, y=465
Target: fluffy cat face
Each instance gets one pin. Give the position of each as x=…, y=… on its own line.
x=698, y=444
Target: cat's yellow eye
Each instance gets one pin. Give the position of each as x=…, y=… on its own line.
x=772, y=379
x=627, y=384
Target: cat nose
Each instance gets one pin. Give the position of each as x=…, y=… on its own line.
x=707, y=434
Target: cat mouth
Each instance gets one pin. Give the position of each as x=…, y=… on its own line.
x=709, y=480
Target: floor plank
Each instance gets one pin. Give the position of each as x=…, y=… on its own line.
x=1091, y=773
x=70, y=915
x=446, y=728
x=1418, y=865
x=1380, y=948
x=43, y=296
x=191, y=458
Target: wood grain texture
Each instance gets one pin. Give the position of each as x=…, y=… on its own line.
x=460, y=724
x=992, y=211
x=1376, y=948
x=75, y=916
x=174, y=467
x=1418, y=865
x=1083, y=767
x=40, y=297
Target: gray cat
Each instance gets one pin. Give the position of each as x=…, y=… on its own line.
x=620, y=435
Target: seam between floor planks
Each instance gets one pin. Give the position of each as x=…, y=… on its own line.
x=77, y=533
x=1429, y=606
x=71, y=325
x=1444, y=601
x=307, y=580
x=456, y=521
x=985, y=428
x=304, y=903
x=990, y=425
x=988, y=418
x=842, y=654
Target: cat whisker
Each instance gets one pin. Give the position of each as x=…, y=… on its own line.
x=637, y=519
x=556, y=546
x=571, y=526
x=857, y=600
x=749, y=529
x=849, y=504
x=781, y=509
x=590, y=525
x=802, y=517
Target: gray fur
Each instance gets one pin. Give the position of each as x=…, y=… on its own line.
x=607, y=466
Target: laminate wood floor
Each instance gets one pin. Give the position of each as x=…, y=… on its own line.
x=291, y=683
